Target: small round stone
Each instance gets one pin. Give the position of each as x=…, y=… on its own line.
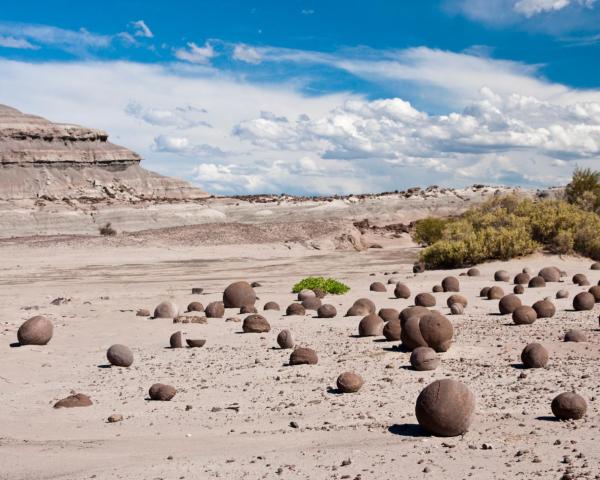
x=311, y=303
x=562, y=294
x=522, y=279
x=484, y=292
x=392, y=330
x=215, y=310
x=349, y=382
x=425, y=300
x=569, y=406
x=451, y=284
x=304, y=356
x=581, y=280
x=271, y=306
x=256, y=323
x=437, y=289
x=326, y=311
x=502, y=276
x=424, y=359
x=295, y=309
x=519, y=290
x=473, y=272
x=457, y=309
x=248, y=309
x=537, y=282
x=377, y=287
x=195, y=307
x=509, y=303
x=195, y=342
x=285, y=339
x=595, y=291
x=120, y=355
x=534, y=355
x=176, y=340
x=575, y=335
x=495, y=293
x=401, y=291
x=371, y=326
x=37, y=330
x=584, y=301
x=595, y=266
x=388, y=314
x=457, y=299
x=166, y=309
x=544, y=309
x=524, y=315
x=162, y=392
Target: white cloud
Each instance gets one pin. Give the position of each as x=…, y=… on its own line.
x=166, y=143
x=180, y=117
x=530, y=8
x=141, y=29
x=20, y=43
x=196, y=54
x=245, y=53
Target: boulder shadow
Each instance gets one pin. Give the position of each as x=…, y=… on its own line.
x=105, y=365
x=334, y=391
x=397, y=348
x=519, y=366
x=15, y=345
x=547, y=418
x=408, y=430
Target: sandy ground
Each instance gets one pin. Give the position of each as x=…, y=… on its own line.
x=236, y=396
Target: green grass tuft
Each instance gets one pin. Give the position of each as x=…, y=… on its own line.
x=328, y=285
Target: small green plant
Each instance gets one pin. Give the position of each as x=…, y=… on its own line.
x=429, y=230
x=584, y=189
x=328, y=285
x=107, y=230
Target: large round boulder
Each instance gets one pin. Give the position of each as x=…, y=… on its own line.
x=176, y=340
x=166, y=309
x=304, y=356
x=437, y=331
x=362, y=306
x=215, y=310
x=456, y=299
x=508, y=304
x=583, y=301
x=575, y=335
x=484, y=292
x=581, y=280
x=537, y=282
x=285, y=339
x=255, y=323
x=569, y=406
x=349, y=382
x=445, y=408
x=326, y=311
x=424, y=359
x=119, y=355
x=502, y=276
x=495, y=293
x=377, y=287
x=311, y=303
x=425, y=300
x=595, y=291
x=534, y=355
x=451, y=284
x=524, y=315
x=239, y=294
x=544, y=309
x=550, y=274
x=371, y=326
x=271, y=306
x=295, y=309
x=37, y=330
x=392, y=330
x=522, y=279
x=413, y=311
x=401, y=291
x=161, y=392
x=388, y=314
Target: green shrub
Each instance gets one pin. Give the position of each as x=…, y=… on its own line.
x=429, y=230
x=584, y=189
x=328, y=285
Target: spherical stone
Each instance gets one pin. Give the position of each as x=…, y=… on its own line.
x=457, y=309
x=423, y=359
x=425, y=300
x=445, y=408
x=528, y=271
x=519, y=290
x=569, y=406
x=401, y=291
x=501, y=276
x=522, y=279
x=509, y=303
x=451, y=284
x=306, y=293
x=544, y=309
x=524, y=315
x=537, y=282
x=271, y=306
x=484, y=292
x=119, y=355
x=595, y=291
x=73, y=401
x=285, y=339
x=239, y=294
x=162, y=392
x=326, y=311
x=255, y=324
x=248, y=309
x=304, y=356
x=377, y=287
x=575, y=335
x=195, y=342
x=295, y=309
x=473, y=272
x=311, y=303
x=595, y=266
x=363, y=306
x=37, y=330
x=581, y=280
x=534, y=355
x=410, y=333
x=584, y=301
x=457, y=299
x=437, y=289
x=215, y=310
x=437, y=331
x=412, y=312
x=371, y=326
x=392, y=330
x=349, y=382
x=562, y=294
x=175, y=340
x=550, y=274
x=495, y=293
x=195, y=307
x=166, y=309
x=388, y=314
x=319, y=293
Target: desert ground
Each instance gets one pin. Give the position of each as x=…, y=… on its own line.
x=240, y=411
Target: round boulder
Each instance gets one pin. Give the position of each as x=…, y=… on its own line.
x=451, y=284
x=550, y=274
x=271, y=306
x=595, y=291
x=575, y=335
x=215, y=310
x=377, y=287
x=457, y=299
x=388, y=314
x=437, y=289
x=371, y=326
x=295, y=309
x=502, y=276
x=195, y=307
x=521, y=279
x=495, y=293
x=425, y=300
x=401, y=291
x=537, y=282
x=161, y=392
x=304, y=356
x=349, y=382
x=423, y=359
x=583, y=301
x=484, y=292
x=473, y=272
x=437, y=331
x=413, y=311
x=166, y=309
x=362, y=306
x=326, y=311
x=595, y=266
x=306, y=293
x=457, y=309
x=392, y=330
x=562, y=294
x=544, y=309
x=524, y=315
x=519, y=290
x=37, y=330
x=509, y=303
x=248, y=309
x=581, y=280
x=285, y=339
x=311, y=303
x=176, y=340
x=239, y=294
x=569, y=406
x=534, y=355
x=119, y=355
x=445, y=408
x=255, y=324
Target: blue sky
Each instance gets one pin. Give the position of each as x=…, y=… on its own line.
x=319, y=97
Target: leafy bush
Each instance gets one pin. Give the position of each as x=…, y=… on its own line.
x=584, y=189
x=107, y=230
x=429, y=230
x=509, y=226
x=328, y=285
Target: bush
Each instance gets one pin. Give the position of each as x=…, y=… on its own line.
x=429, y=230
x=584, y=189
x=508, y=227
x=107, y=230
x=328, y=285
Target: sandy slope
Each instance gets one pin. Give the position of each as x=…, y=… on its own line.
x=243, y=396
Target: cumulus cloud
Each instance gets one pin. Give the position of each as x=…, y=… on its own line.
x=141, y=29
x=20, y=43
x=245, y=53
x=180, y=117
x=195, y=54
x=530, y=8
x=182, y=146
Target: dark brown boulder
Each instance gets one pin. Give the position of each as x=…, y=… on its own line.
x=473, y=272
x=544, y=309
x=362, y=306
x=495, y=293
x=195, y=307
x=119, y=356
x=423, y=359
x=508, y=304
x=595, y=266
x=371, y=326
x=285, y=339
x=595, y=291
x=401, y=291
x=176, y=340
x=37, y=330
x=534, y=355
x=484, y=292
x=392, y=330
x=502, y=276
x=413, y=311
x=522, y=279
x=161, y=392
x=445, y=408
x=451, y=284
x=457, y=299
x=377, y=287
x=295, y=309
x=569, y=406
x=388, y=314
x=437, y=331
x=195, y=342
x=575, y=335
x=437, y=289
x=457, y=309
x=255, y=324
x=215, y=310
x=583, y=301
x=425, y=300
x=166, y=309
x=550, y=274
x=519, y=290
x=73, y=401
x=311, y=303
x=524, y=315
x=537, y=282
x=349, y=382
x=581, y=280
x=304, y=356
x=419, y=267
x=326, y=311
x=248, y=309
x=238, y=294
x=271, y=306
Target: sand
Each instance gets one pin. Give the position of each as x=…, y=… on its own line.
x=237, y=398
